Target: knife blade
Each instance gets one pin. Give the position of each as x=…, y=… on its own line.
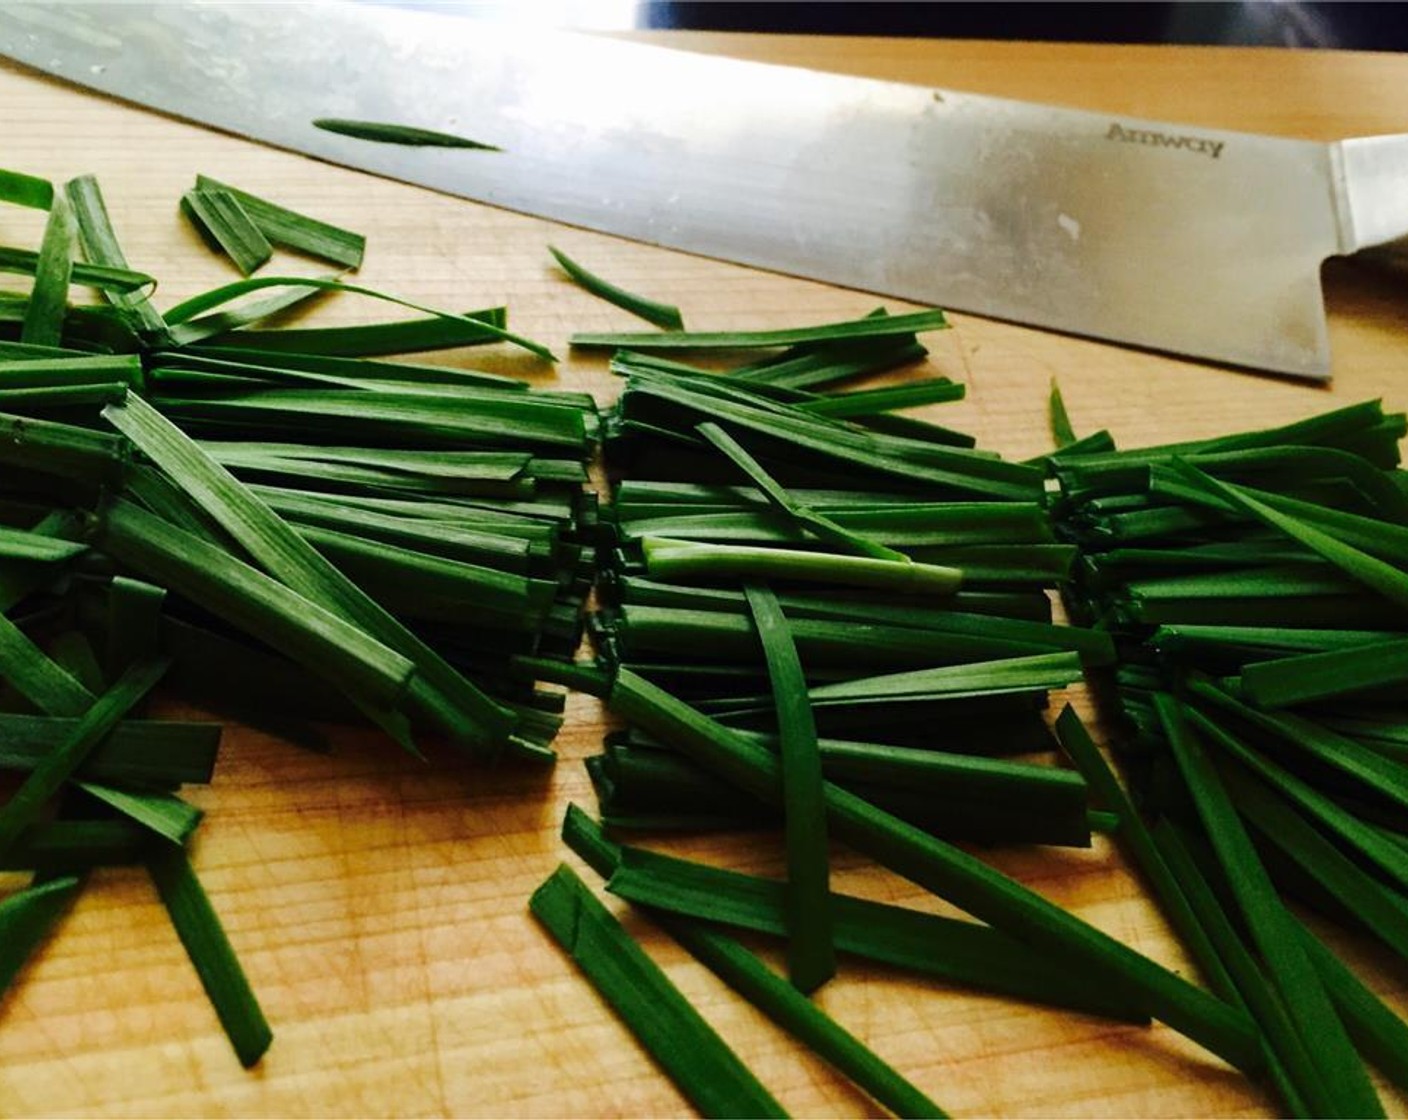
x=1195, y=241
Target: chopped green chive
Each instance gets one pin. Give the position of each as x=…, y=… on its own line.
x=222, y=221
x=300, y=288
x=165, y=814
x=875, y=327
x=1061, y=430
x=782, y=1003
x=26, y=917
x=293, y=230
x=689, y=1051
x=663, y=315
x=140, y=752
x=950, y=872
x=689, y=563
x=820, y=525
x=48, y=775
x=199, y=928
x=99, y=241
x=868, y=402
x=381, y=132
x=811, y=957
x=1346, y=1086
x=48, y=300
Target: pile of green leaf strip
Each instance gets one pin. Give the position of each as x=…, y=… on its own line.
x=269, y=520
x=818, y=612
x=907, y=572
x=1257, y=587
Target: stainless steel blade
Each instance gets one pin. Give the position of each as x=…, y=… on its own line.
x=1193, y=241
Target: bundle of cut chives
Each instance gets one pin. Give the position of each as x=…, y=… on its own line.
x=759, y=594
x=911, y=572
x=269, y=520
x=1257, y=587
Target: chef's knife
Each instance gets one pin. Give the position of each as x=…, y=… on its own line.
x=1190, y=240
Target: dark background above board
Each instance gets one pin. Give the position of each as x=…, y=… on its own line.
x=1273, y=23
x=1358, y=26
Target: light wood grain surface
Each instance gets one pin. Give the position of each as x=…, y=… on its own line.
x=380, y=906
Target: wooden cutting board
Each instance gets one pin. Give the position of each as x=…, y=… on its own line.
x=379, y=906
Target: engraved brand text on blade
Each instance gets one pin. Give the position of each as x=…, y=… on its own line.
x=1199, y=144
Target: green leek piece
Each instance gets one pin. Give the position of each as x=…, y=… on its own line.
x=947, y=949
x=90, y=330
x=223, y=223
x=165, y=814
x=199, y=928
x=1384, y=578
x=840, y=446
x=290, y=367
x=1379, y=1033
x=231, y=320
x=134, y=622
x=1390, y=858
x=496, y=420
x=738, y=513
x=105, y=278
x=26, y=190
x=1384, y=539
x=868, y=402
x=18, y=544
x=287, y=621
x=1346, y=1087
x=1014, y=674
x=50, y=773
x=874, y=327
x=456, y=705
x=99, y=242
x=36, y=677
x=1139, y=843
x=681, y=560
x=27, y=916
x=818, y=524
x=1307, y=737
x=381, y=132
x=433, y=587
x=801, y=1018
x=954, y=951
x=73, y=847
x=1043, y=564
x=694, y=1057
x=1061, y=430
x=65, y=396
x=812, y=367
x=1381, y=912
x=48, y=300
x=141, y=752
x=36, y=373
x=581, y=676
x=402, y=336
x=848, y=642
x=811, y=955
x=184, y=313
x=663, y=315
x=454, y=542
x=951, y=873
x=953, y=796
x=342, y=476
x=293, y=230
x=1312, y=677
x=1342, y=428
x=74, y=653
x=1288, y=1057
